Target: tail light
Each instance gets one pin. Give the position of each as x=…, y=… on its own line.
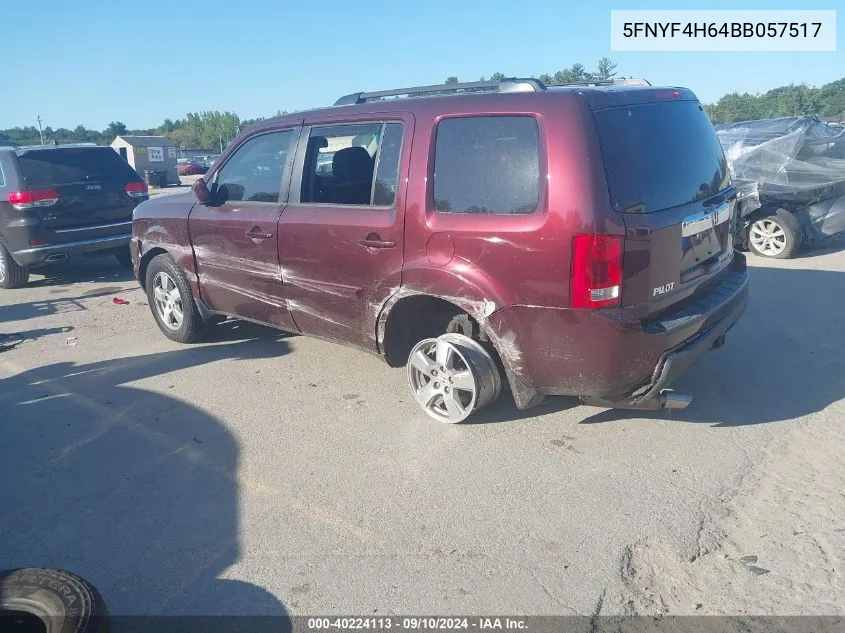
x=22, y=200
x=596, y=280
x=136, y=189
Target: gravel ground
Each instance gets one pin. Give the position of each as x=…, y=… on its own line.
x=264, y=473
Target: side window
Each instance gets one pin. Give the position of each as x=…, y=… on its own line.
x=254, y=171
x=487, y=164
x=2, y=177
x=353, y=164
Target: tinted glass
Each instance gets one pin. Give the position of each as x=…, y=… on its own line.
x=487, y=164
x=339, y=164
x=387, y=173
x=47, y=168
x=660, y=155
x=254, y=172
x=2, y=177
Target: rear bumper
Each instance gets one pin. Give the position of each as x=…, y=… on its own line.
x=610, y=354
x=675, y=362
x=56, y=252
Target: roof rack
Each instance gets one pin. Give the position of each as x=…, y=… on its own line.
x=605, y=82
x=505, y=85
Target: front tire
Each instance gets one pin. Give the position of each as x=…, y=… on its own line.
x=172, y=302
x=776, y=234
x=12, y=275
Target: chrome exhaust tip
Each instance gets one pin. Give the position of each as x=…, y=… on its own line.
x=674, y=399
x=666, y=399
x=56, y=257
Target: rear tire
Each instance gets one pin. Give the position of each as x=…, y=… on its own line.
x=775, y=233
x=172, y=302
x=52, y=600
x=452, y=376
x=12, y=275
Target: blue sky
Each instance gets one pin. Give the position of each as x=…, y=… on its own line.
x=95, y=61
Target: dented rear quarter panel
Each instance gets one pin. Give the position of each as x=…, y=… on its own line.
x=485, y=263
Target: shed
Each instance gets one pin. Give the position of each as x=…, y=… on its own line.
x=156, y=153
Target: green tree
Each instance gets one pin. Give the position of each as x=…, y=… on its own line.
x=574, y=74
x=115, y=128
x=605, y=70
x=451, y=80
x=832, y=99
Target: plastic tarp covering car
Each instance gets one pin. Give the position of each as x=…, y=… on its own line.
x=795, y=163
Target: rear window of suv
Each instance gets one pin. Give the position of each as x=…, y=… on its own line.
x=61, y=166
x=487, y=164
x=660, y=155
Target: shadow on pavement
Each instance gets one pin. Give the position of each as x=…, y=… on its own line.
x=81, y=268
x=135, y=490
x=504, y=409
x=46, y=307
x=9, y=341
x=783, y=360
x=833, y=244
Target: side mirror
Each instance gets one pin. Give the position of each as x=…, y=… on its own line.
x=201, y=191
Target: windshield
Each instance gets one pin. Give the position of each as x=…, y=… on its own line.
x=660, y=155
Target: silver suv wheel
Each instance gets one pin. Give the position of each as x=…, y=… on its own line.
x=168, y=301
x=452, y=376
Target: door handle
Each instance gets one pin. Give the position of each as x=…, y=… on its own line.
x=256, y=233
x=370, y=242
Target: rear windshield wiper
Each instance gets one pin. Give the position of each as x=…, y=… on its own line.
x=638, y=207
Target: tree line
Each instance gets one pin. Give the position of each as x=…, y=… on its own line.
x=214, y=129
x=794, y=100
x=207, y=130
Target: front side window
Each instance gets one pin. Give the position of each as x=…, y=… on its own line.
x=487, y=164
x=254, y=172
x=353, y=164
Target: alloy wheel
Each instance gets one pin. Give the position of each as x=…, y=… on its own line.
x=168, y=301
x=451, y=377
x=768, y=237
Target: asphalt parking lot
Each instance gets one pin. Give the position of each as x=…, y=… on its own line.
x=266, y=473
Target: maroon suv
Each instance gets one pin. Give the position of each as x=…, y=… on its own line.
x=563, y=241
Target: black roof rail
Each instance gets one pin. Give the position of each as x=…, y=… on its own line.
x=505, y=85
x=53, y=145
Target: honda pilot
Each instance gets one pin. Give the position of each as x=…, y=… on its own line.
x=573, y=240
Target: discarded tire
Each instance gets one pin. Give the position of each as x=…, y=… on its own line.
x=452, y=377
x=50, y=600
